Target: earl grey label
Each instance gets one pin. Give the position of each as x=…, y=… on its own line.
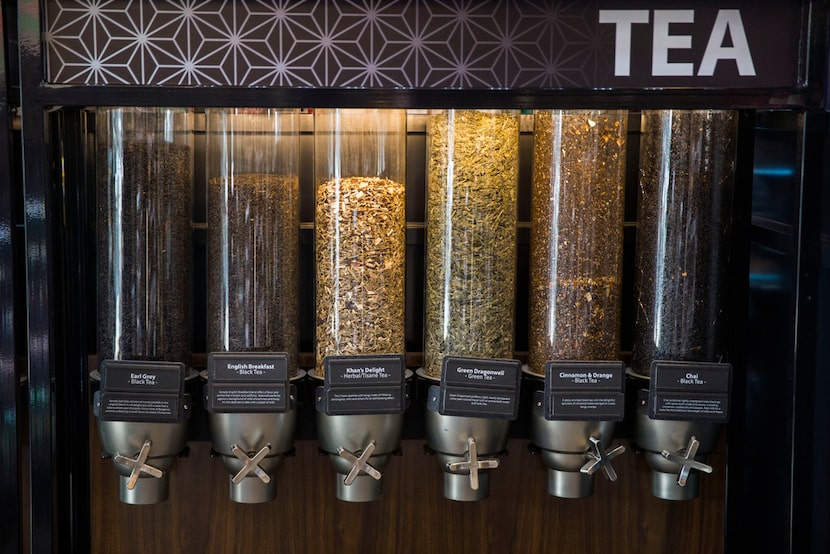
x=226, y=398
x=364, y=370
x=690, y=391
x=248, y=366
x=140, y=407
x=160, y=378
x=481, y=372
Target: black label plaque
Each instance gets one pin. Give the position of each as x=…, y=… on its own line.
x=479, y=387
x=584, y=391
x=247, y=382
x=231, y=367
x=363, y=385
x=138, y=376
x=689, y=391
x=142, y=391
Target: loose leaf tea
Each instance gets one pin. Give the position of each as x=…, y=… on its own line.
x=144, y=252
x=360, y=231
x=253, y=240
x=576, y=236
x=687, y=169
x=472, y=176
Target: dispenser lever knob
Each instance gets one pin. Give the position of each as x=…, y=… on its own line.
x=359, y=463
x=251, y=463
x=598, y=459
x=139, y=465
x=687, y=461
x=473, y=464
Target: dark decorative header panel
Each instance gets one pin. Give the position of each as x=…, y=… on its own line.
x=409, y=44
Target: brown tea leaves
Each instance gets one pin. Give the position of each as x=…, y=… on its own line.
x=576, y=236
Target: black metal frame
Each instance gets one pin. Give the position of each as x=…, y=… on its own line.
x=9, y=384
x=57, y=374
x=775, y=434
x=809, y=433
x=777, y=439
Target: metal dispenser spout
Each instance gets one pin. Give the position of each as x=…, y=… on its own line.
x=252, y=445
x=465, y=447
x=360, y=411
x=468, y=420
x=573, y=423
x=143, y=471
x=252, y=415
x=678, y=424
x=676, y=465
x=142, y=413
x=359, y=448
x=574, y=451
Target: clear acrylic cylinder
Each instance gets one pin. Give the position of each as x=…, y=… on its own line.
x=576, y=236
x=360, y=231
x=471, y=224
x=687, y=171
x=253, y=231
x=144, y=193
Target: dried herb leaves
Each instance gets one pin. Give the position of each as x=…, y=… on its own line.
x=472, y=176
x=360, y=243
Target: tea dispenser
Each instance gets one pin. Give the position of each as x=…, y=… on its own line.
x=252, y=292
x=469, y=296
x=144, y=174
x=360, y=243
x=687, y=170
x=576, y=244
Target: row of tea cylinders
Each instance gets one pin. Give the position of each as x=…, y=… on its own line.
x=145, y=174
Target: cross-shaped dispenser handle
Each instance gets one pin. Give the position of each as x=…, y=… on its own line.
x=687, y=461
x=251, y=463
x=472, y=463
x=359, y=463
x=139, y=465
x=598, y=459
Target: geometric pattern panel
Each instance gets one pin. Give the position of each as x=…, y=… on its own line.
x=386, y=44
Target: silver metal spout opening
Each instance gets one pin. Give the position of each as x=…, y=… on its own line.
x=573, y=452
x=675, y=450
x=465, y=447
x=252, y=445
x=359, y=447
